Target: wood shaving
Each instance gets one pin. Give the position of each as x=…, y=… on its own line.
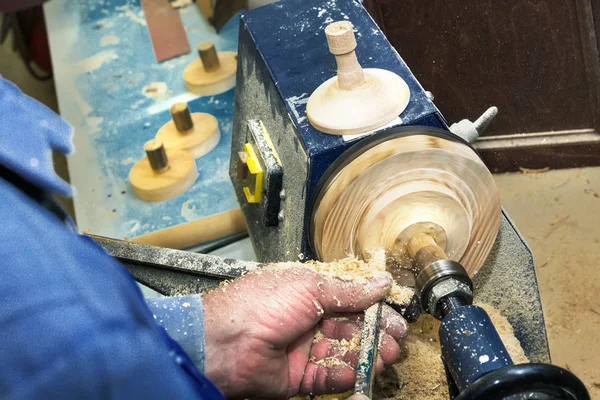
x=349, y=269
x=181, y=3
x=333, y=396
x=400, y=295
x=329, y=362
x=352, y=269
x=420, y=374
x=343, y=346
x=527, y=171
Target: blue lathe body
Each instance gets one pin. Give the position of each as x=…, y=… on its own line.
x=283, y=58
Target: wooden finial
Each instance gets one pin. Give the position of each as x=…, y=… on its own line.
x=342, y=43
x=157, y=156
x=356, y=100
x=209, y=56
x=182, y=117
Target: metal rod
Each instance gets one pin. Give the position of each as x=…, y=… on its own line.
x=182, y=117
x=178, y=260
x=157, y=155
x=208, y=55
x=369, y=348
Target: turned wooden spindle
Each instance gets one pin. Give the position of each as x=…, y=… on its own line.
x=355, y=100
x=182, y=118
x=209, y=56
x=424, y=250
x=157, y=155
x=342, y=43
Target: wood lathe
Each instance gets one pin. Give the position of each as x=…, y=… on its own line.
x=338, y=150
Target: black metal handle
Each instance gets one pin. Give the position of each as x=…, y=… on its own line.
x=524, y=380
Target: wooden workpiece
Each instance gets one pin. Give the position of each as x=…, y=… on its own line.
x=211, y=74
x=162, y=174
x=357, y=100
x=196, y=133
x=377, y=199
x=201, y=230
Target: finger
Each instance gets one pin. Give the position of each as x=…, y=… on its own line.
x=320, y=379
x=333, y=328
x=337, y=295
x=331, y=369
x=393, y=323
x=389, y=350
x=379, y=365
x=298, y=356
x=330, y=352
x=319, y=350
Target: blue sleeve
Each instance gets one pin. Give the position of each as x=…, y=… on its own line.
x=73, y=322
x=183, y=319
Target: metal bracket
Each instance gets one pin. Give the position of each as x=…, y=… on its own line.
x=253, y=191
x=173, y=272
x=261, y=170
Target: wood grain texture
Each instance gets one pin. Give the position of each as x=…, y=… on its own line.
x=166, y=30
x=204, y=83
x=342, y=43
x=386, y=190
x=200, y=140
x=175, y=179
x=379, y=101
x=197, y=232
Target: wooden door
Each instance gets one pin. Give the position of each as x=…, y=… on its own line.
x=537, y=60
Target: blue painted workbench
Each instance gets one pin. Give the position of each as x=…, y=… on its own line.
x=116, y=96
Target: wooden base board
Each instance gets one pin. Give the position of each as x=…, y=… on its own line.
x=205, y=83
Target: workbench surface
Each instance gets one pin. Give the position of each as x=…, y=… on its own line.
x=116, y=96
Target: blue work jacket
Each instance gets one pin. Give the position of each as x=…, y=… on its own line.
x=73, y=323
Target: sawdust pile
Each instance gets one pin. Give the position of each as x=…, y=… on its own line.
x=353, y=269
x=419, y=374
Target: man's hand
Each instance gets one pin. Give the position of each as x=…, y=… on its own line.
x=260, y=329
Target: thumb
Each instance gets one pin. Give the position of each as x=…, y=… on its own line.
x=338, y=295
